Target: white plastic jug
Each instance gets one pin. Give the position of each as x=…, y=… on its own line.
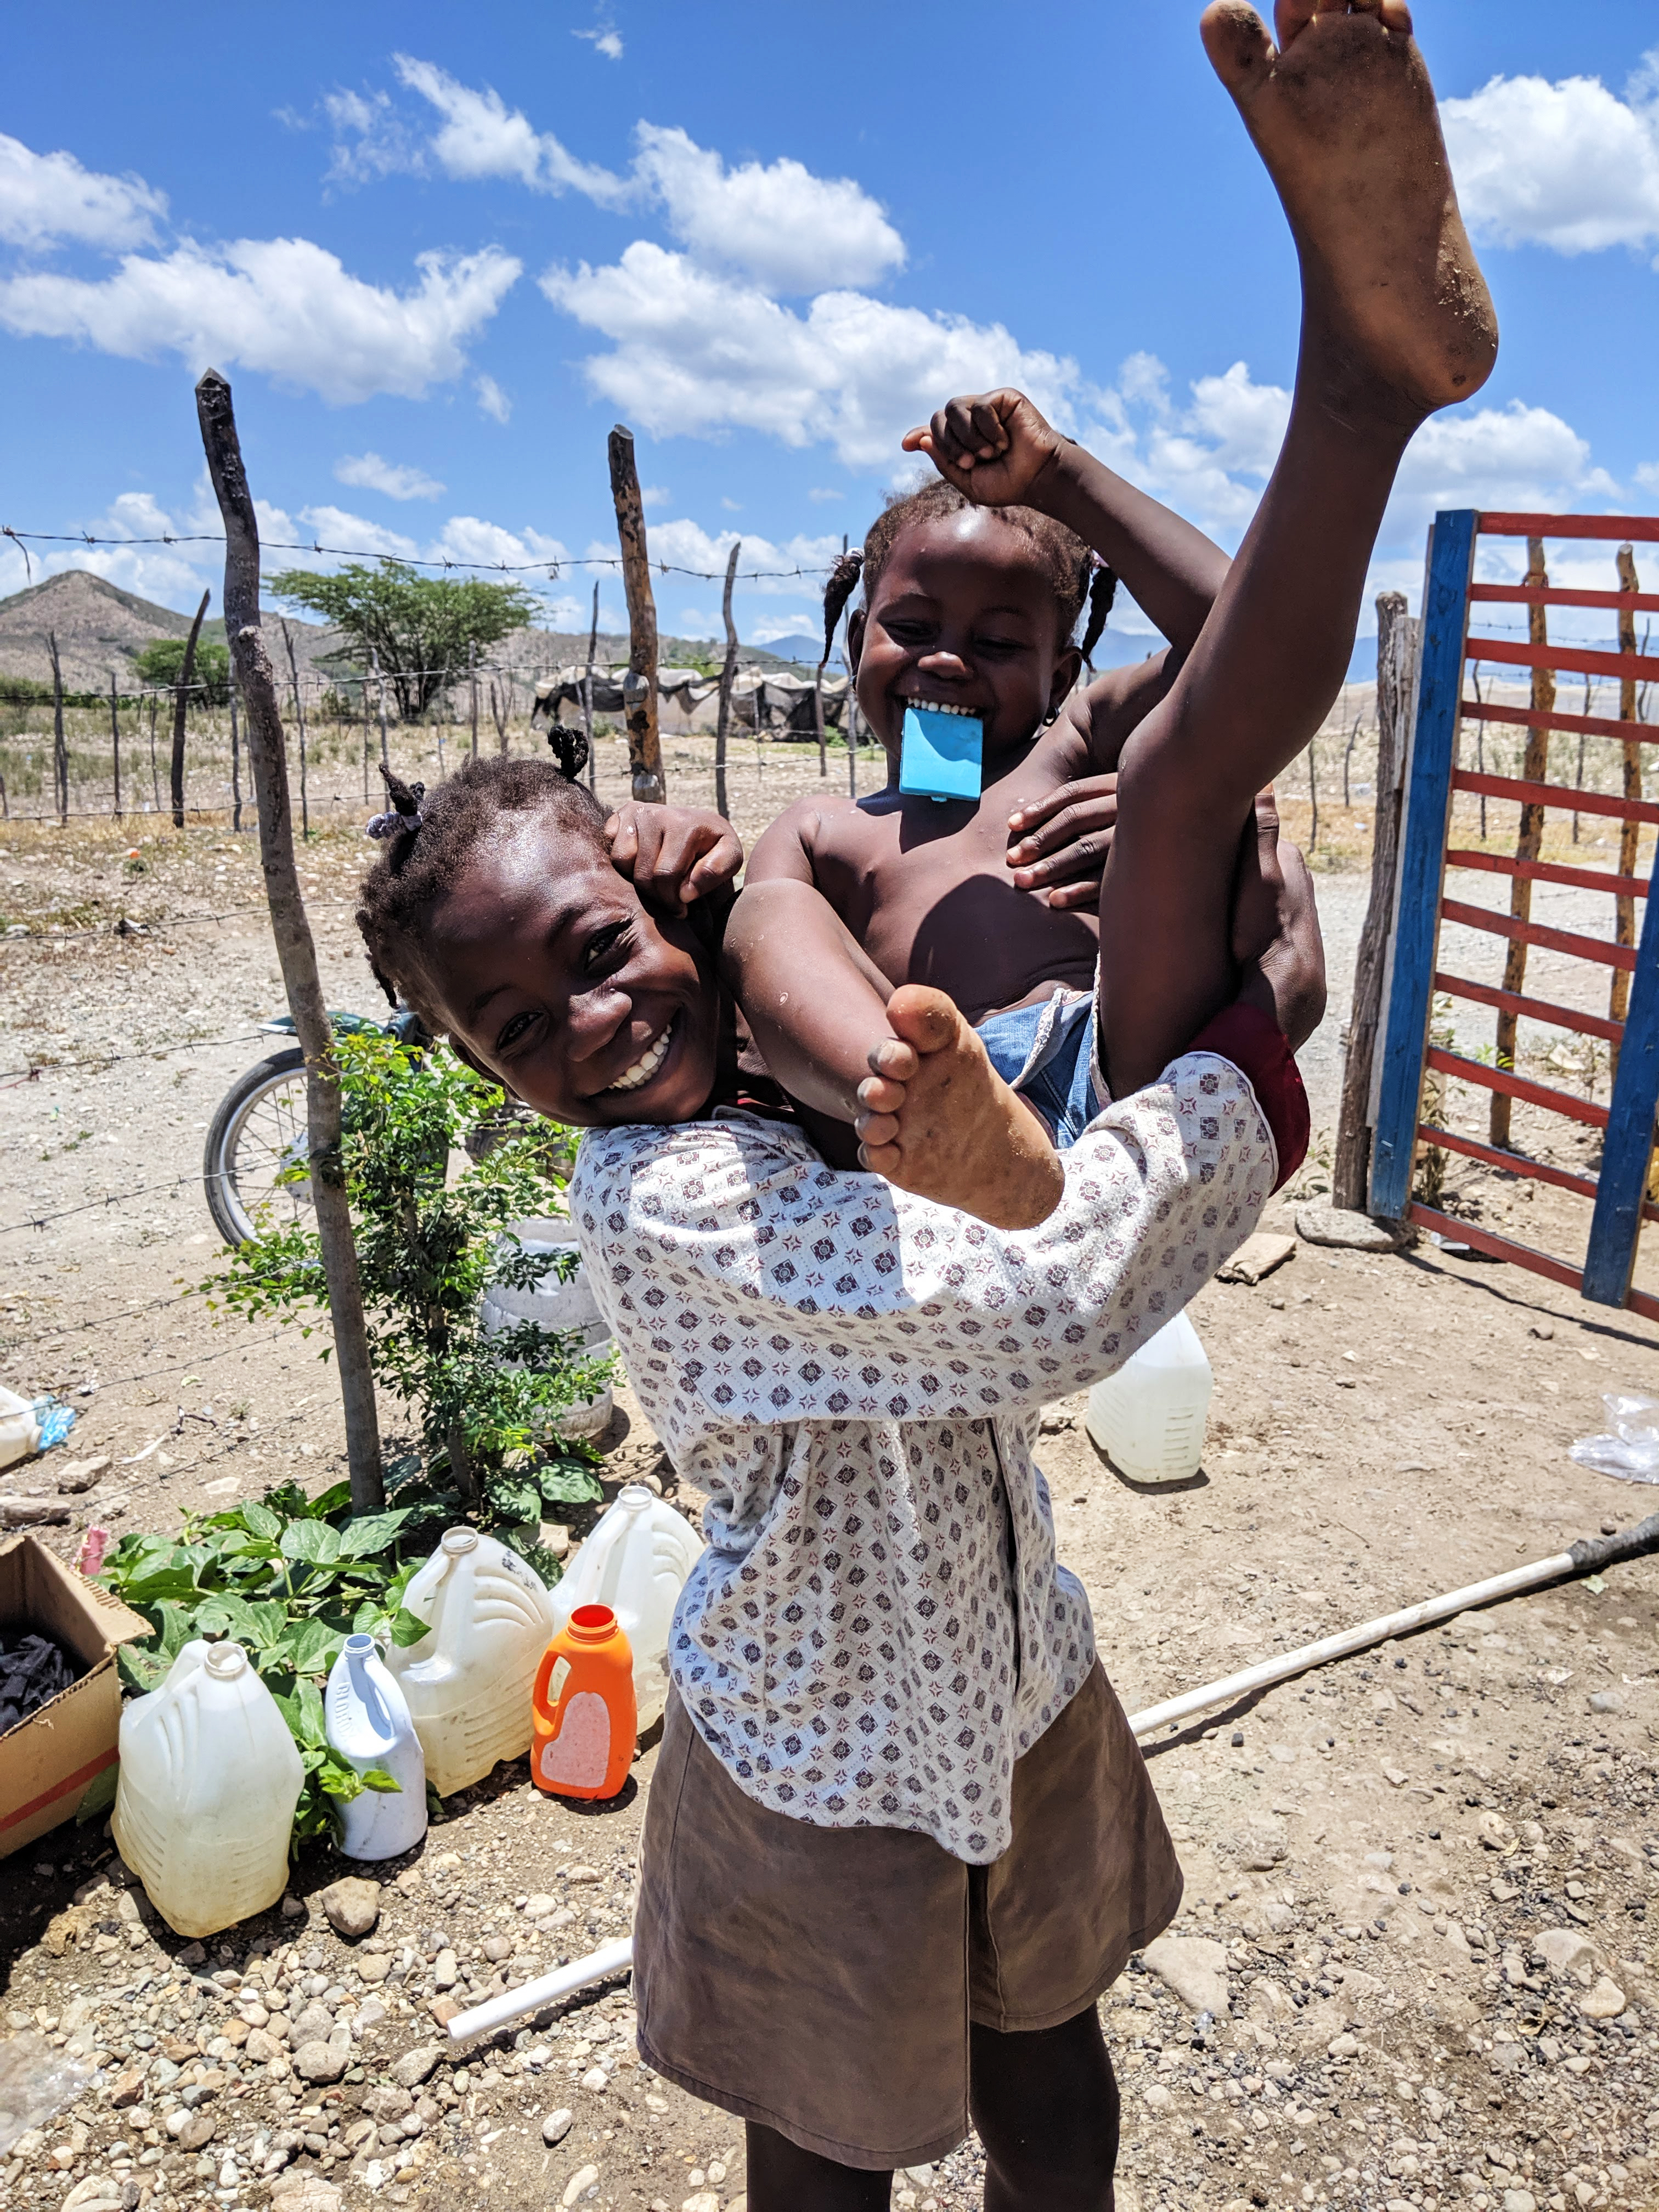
x=636, y=1562
x=369, y=1725
x=205, y=1799
x=1150, y=1417
x=468, y=1683
x=554, y=1301
x=19, y=1431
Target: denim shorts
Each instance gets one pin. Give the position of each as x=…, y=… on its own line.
x=1046, y=1053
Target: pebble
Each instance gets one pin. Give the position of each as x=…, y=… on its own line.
x=304, y=2191
x=418, y=2065
x=579, y=2184
x=1565, y=1948
x=1606, y=1701
x=194, y=2129
x=1605, y=2002
x=596, y=2079
x=1195, y=1968
x=353, y=1905
x=323, y=2061
x=446, y=1971
x=557, y=2126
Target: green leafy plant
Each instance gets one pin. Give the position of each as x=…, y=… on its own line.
x=289, y=1578
x=428, y=1246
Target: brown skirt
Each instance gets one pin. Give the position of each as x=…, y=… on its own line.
x=821, y=1981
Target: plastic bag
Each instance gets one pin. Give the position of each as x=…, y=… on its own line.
x=1631, y=1452
x=36, y=2082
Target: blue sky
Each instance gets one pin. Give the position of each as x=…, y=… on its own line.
x=439, y=251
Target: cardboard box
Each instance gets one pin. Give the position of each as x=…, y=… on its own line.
x=47, y=1760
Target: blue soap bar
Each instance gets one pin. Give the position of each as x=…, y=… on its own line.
x=940, y=757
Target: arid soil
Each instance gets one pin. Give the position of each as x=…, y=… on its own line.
x=1412, y=1967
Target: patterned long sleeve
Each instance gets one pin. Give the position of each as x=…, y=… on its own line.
x=879, y=1628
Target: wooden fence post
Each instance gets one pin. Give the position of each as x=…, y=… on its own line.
x=723, y=719
x=235, y=759
x=154, y=773
x=299, y=717
x=267, y=757
x=386, y=757
x=1528, y=845
x=639, y=685
x=500, y=713
x=1630, y=833
x=1396, y=642
x=587, y=696
x=181, y=699
x=115, y=741
x=59, y=747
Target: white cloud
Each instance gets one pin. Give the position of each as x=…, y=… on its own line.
x=283, y=306
x=482, y=137
x=654, y=494
x=606, y=42
x=48, y=198
x=1648, y=476
x=696, y=353
x=397, y=479
x=371, y=139
x=731, y=505
x=792, y=231
x=819, y=493
x=493, y=400
x=1570, y=166
x=341, y=532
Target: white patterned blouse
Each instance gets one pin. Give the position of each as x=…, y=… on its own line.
x=879, y=1628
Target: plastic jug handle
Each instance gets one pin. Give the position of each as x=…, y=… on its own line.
x=538, y=1692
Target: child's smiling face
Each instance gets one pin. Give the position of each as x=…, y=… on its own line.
x=554, y=977
x=963, y=614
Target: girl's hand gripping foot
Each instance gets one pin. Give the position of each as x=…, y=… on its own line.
x=936, y=1118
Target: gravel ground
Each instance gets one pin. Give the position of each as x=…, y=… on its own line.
x=1412, y=1967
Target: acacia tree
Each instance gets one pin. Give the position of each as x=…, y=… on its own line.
x=159, y=667
x=429, y=632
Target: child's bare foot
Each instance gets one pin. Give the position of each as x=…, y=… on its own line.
x=1343, y=114
x=940, y=1121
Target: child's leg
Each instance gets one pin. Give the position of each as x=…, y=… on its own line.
x=1396, y=322
x=783, y=2178
x=1046, y=2106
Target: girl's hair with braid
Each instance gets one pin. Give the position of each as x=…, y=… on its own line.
x=1078, y=576
x=425, y=853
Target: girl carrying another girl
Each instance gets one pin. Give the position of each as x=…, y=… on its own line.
x=898, y=1838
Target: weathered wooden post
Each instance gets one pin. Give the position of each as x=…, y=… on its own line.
x=115, y=741
x=587, y=696
x=235, y=759
x=1630, y=832
x=299, y=717
x=1529, y=842
x=267, y=757
x=1396, y=653
x=59, y=746
x=386, y=757
x=180, y=701
x=640, y=685
x=728, y=672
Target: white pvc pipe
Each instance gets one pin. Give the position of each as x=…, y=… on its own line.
x=530, y=1996
x=1585, y=1556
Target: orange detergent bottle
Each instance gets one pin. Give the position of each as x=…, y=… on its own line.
x=583, y=1717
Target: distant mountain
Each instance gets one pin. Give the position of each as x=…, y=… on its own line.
x=799, y=648
x=102, y=630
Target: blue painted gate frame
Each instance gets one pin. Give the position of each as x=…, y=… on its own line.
x=1433, y=757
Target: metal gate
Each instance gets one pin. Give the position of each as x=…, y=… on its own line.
x=1432, y=774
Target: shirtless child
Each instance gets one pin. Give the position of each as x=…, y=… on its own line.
x=1396, y=323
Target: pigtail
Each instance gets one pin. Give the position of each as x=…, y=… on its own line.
x=404, y=816
x=843, y=582
x=568, y=748
x=1103, y=589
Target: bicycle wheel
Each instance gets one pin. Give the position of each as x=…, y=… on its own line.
x=258, y=1135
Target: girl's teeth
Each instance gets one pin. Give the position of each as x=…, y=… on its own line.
x=941, y=707
x=645, y=1066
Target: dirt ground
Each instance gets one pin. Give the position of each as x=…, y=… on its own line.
x=1411, y=1968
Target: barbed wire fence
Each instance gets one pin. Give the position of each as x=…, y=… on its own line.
x=339, y=717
